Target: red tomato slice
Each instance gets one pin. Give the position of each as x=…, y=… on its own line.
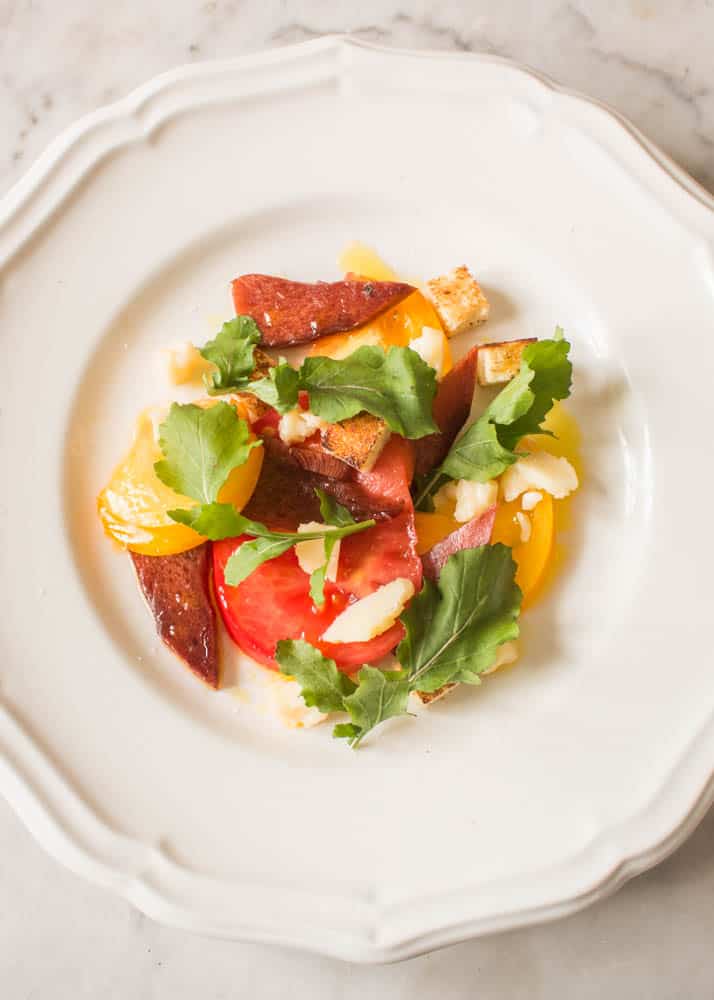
x=274, y=603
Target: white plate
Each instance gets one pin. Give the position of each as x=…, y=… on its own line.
x=519, y=801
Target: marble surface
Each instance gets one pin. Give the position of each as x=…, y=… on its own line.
x=650, y=59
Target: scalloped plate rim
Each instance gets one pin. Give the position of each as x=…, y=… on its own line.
x=31, y=784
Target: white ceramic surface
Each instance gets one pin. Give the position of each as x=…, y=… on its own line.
x=206, y=817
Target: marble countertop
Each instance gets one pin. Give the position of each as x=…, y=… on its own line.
x=652, y=61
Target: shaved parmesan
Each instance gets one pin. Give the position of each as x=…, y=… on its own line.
x=311, y=554
x=371, y=615
x=539, y=471
x=471, y=499
x=531, y=499
x=524, y=525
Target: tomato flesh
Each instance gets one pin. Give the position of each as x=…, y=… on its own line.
x=274, y=603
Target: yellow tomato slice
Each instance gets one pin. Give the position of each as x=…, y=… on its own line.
x=535, y=558
x=135, y=503
x=532, y=556
x=431, y=528
x=394, y=328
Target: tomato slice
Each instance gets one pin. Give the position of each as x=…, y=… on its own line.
x=274, y=603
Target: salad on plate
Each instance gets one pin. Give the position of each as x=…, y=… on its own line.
x=364, y=516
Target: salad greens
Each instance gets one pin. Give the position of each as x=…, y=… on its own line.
x=396, y=385
x=487, y=447
x=453, y=630
x=201, y=448
x=231, y=351
x=221, y=520
x=333, y=513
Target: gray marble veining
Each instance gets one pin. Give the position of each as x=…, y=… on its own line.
x=652, y=60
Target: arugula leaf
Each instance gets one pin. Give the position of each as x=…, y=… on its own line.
x=377, y=695
x=486, y=448
x=201, y=448
x=214, y=520
x=396, y=385
x=231, y=351
x=323, y=685
x=345, y=730
x=332, y=511
x=279, y=388
x=317, y=577
x=221, y=520
x=380, y=695
x=455, y=626
x=250, y=555
x=552, y=379
x=335, y=514
x=269, y=544
x=453, y=630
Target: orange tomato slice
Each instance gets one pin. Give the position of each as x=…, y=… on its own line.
x=432, y=528
x=394, y=328
x=531, y=557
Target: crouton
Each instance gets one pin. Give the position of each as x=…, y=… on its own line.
x=357, y=441
x=499, y=363
x=458, y=300
x=427, y=697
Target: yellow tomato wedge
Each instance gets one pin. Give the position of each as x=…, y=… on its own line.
x=432, y=528
x=134, y=505
x=394, y=328
x=532, y=556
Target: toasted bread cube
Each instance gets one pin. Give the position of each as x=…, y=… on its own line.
x=357, y=441
x=427, y=697
x=458, y=300
x=499, y=363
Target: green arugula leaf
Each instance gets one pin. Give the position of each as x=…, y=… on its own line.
x=379, y=695
x=397, y=386
x=486, y=448
x=552, y=379
x=323, y=685
x=279, y=388
x=453, y=630
x=335, y=514
x=250, y=555
x=317, y=577
x=213, y=520
x=345, y=730
x=455, y=626
x=269, y=544
x=201, y=448
x=231, y=351
x=332, y=511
